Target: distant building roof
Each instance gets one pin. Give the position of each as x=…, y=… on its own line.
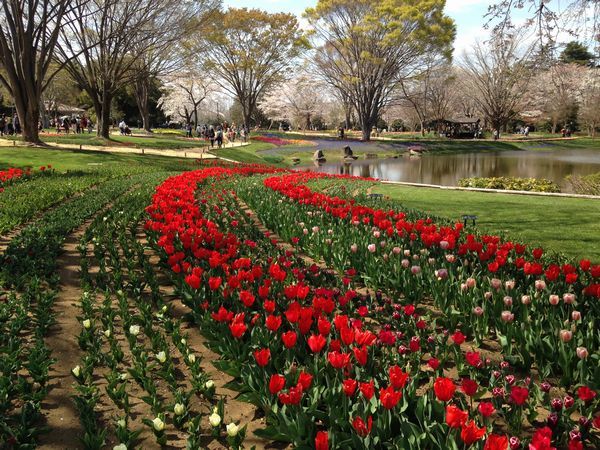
x=61, y=108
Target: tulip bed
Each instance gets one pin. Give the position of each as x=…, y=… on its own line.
x=465, y=340
x=28, y=289
x=135, y=349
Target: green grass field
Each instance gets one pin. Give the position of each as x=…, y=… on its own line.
x=565, y=225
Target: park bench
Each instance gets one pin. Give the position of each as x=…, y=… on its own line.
x=467, y=217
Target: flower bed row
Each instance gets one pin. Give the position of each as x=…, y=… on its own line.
x=332, y=368
x=280, y=142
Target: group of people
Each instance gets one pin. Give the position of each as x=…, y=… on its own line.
x=9, y=125
x=217, y=135
x=77, y=125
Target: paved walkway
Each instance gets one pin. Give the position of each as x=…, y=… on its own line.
x=191, y=153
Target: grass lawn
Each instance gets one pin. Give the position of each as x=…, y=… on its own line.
x=85, y=160
x=566, y=225
x=159, y=140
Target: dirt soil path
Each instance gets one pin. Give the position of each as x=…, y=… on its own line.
x=61, y=415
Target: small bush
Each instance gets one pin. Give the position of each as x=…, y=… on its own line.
x=587, y=185
x=511, y=184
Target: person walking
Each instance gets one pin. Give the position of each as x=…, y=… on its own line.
x=219, y=138
x=2, y=124
x=211, y=136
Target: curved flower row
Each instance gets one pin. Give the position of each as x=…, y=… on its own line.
x=13, y=174
x=332, y=368
x=551, y=305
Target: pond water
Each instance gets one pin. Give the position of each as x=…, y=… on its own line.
x=448, y=168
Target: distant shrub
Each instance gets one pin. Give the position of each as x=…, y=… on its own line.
x=511, y=184
x=587, y=185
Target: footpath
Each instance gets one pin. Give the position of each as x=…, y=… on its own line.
x=191, y=153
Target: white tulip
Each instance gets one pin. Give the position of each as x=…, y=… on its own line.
x=158, y=424
x=232, y=430
x=192, y=358
x=209, y=384
x=161, y=356
x=179, y=409
x=87, y=323
x=107, y=333
x=120, y=447
x=215, y=420
x=76, y=371
x=134, y=330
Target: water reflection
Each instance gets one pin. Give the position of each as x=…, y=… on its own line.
x=447, y=169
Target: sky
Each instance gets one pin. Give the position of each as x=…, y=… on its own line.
x=468, y=15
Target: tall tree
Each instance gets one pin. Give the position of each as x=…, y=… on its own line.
x=497, y=76
x=580, y=18
x=29, y=32
x=166, y=54
x=250, y=51
x=297, y=101
x=110, y=36
x=184, y=93
x=367, y=48
x=576, y=53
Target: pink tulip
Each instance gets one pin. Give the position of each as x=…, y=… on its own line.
x=582, y=352
x=526, y=299
x=471, y=283
x=376, y=234
x=508, y=301
x=441, y=274
x=315, y=229
x=478, y=311
x=372, y=248
x=488, y=295
x=496, y=283
x=405, y=263
x=540, y=285
x=510, y=284
x=415, y=270
x=305, y=231
x=576, y=315
x=507, y=316
x=406, y=252
x=450, y=258
x=444, y=245
x=382, y=244
x=568, y=298
x=566, y=335
x=354, y=248
x=397, y=250
x=554, y=300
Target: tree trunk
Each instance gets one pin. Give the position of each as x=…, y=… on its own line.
x=28, y=110
x=104, y=117
x=141, y=99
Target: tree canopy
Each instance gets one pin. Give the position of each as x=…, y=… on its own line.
x=366, y=48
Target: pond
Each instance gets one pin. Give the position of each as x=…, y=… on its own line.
x=448, y=168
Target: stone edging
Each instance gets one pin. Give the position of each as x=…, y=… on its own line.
x=492, y=191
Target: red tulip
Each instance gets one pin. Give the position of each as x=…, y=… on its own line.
x=585, y=394
x=444, y=389
x=322, y=441
x=238, y=329
x=519, y=395
x=214, y=283
x=289, y=339
x=367, y=389
x=338, y=360
x=273, y=323
x=486, y=409
x=276, y=383
x=496, y=442
x=349, y=386
x=316, y=343
x=361, y=354
x=469, y=387
x=262, y=356
x=362, y=429
x=398, y=378
x=305, y=380
x=458, y=338
x=456, y=417
x=470, y=433
x=389, y=397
